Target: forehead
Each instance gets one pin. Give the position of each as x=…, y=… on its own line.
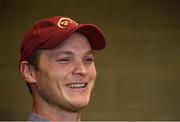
x=76, y=40
x=77, y=43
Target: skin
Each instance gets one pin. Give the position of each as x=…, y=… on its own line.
x=70, y=62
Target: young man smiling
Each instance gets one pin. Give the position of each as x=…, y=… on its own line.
x=57, y=63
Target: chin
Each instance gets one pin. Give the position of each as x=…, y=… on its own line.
x=79, y=105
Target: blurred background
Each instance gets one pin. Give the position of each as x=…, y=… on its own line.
x=138, y=72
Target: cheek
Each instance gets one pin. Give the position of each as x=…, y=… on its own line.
x=47, y=77
x=57, y=71
x=44, y=81
x=62, y=72
x=48, y=81
x=92, y=72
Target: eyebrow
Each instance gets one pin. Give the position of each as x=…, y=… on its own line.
x=71, y=53
x=66, y=52
x=91, y=52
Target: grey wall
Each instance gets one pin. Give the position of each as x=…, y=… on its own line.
x=138, y=72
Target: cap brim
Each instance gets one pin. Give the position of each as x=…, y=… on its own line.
x=93, y=33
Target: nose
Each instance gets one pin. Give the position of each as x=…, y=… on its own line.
x=80, y=69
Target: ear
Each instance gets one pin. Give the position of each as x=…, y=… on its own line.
x=27, y=72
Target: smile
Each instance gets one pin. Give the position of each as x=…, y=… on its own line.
x=76, y=85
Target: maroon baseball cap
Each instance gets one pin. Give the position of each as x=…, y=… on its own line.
x=48, y=33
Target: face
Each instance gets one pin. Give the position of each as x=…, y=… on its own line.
x=67, y=74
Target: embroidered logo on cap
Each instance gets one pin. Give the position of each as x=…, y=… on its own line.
x=66, y=22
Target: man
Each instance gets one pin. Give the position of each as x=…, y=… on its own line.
x=57, y=63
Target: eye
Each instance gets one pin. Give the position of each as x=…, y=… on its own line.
x=89, y=59
x=63, y=60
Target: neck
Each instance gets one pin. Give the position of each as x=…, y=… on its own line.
x=54, y=113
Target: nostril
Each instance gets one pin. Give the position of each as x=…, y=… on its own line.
x=80, y=69
x=80, y=73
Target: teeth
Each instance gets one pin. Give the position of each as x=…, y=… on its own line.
x=76, y=85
